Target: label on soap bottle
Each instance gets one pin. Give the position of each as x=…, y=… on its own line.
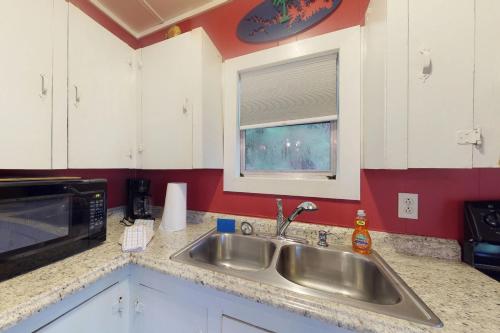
x=361, y=241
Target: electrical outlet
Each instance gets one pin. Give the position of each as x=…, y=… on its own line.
x=408, y=206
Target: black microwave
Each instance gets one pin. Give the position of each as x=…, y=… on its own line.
x=42, y=221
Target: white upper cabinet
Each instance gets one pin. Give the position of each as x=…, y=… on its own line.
x=431, y=80
x=441, y=84
x=102, y=96
x=181, y=114
x=168, y=76
x=30, y=85
x=487, y=83
x=385, y=65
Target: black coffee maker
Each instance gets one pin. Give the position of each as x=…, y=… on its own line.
x=139, y=203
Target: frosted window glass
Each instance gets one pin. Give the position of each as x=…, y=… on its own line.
x=295, y=148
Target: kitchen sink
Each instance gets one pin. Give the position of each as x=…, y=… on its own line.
x=335, y=273
x=233, y=251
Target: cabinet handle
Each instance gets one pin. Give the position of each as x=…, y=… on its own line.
x=44, y=90
x=185, y=106
x=77, y=96
x=426, y=71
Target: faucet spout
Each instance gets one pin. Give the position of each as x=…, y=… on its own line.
x=306, y=206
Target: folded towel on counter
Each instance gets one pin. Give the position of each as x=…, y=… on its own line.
x=137, y=237
x=147, y=223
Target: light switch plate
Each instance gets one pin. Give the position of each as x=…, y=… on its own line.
x=408, y=206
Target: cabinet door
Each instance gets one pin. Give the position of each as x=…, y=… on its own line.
x=487, y=83
x=156, y=312
x=441, y=68
x=102, y=107
x=230, y=325
x=105, y=312
x=385, y=98
x=26, y=84
x=169, y=87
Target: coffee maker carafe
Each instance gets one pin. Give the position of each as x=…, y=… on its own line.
x=139, y=203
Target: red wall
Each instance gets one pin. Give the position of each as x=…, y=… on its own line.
x=221, y=23
x=441, y=195
x=441, y=192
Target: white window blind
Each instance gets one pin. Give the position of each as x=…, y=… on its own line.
x=298, y=92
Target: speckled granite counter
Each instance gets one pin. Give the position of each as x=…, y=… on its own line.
x=464, y=299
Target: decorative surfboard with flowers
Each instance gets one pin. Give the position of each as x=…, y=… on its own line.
x=278, y=19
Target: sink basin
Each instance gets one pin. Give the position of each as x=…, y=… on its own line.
x=233, y=251
x=336, y=272
x=333, y=273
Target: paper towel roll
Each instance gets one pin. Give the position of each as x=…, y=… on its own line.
x=174, y=211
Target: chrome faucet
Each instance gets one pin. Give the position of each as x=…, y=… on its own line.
x=281, y=224
x=279, y=218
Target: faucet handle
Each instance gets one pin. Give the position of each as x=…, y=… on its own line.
x=323, y=235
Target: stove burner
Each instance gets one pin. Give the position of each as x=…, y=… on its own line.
x=492, y=219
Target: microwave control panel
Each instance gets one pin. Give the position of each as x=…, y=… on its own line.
x=97, y=213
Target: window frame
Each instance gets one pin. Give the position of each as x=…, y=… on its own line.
x=346, y=185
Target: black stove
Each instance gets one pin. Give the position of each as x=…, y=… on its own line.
x=481, y=248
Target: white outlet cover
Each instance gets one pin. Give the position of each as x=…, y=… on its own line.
x=408, y=206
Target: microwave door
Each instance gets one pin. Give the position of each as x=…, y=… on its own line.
x=32, y=222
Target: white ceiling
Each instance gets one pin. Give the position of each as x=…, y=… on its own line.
x=142, y=17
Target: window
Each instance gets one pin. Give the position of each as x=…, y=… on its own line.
x=292, y=118
x=288, y=116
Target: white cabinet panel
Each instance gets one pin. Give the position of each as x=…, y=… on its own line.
x=385, y=88
x=26, y=84
x=102, y=96
x=181, y=116
x=487, y=83
x=60, y=86
x=441, y=68
x=107, y=312
x=168, y=82
x=156, y=312
x=207, y=116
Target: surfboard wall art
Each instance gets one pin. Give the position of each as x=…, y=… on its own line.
x=278, y=19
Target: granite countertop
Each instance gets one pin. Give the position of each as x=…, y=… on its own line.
x=464, y=299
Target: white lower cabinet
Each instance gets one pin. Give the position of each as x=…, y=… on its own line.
x=138, y=300
x=108, y=311
x=231, y=325
x=157, y=312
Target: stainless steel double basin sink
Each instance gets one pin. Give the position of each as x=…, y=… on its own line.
x=336, y=273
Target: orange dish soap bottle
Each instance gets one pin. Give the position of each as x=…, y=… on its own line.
x=361, y=240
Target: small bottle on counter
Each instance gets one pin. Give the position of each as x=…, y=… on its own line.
x=361, y=240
